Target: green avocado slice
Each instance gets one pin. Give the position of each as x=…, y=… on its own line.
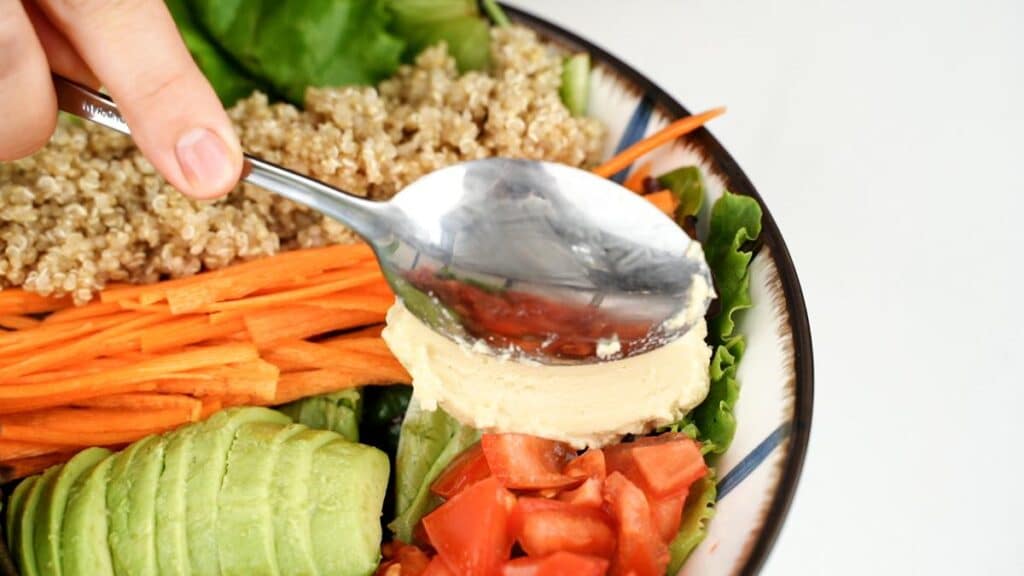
x=50, y=515
x=26, y=532
x=171, y=542
x=290, y=495
x=123, y=477
x=84, y=545
x=347, y=487
x=137, y=549
x=15, y=508
x=206, y=472
x=245, y=529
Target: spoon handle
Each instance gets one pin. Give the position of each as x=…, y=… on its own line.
x=367, y=218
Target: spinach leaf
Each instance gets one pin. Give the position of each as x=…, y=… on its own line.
x=699, y=509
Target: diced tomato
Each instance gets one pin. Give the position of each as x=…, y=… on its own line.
x=590, y=464
x=467, y=469
x=524, y=462
x=557, y=564
x=544, y=527
x=640, y=550
x=437, y=567
x=661, y=465
x=470, y=531
x=589, y=494
x=402, y=560
x=667, y=514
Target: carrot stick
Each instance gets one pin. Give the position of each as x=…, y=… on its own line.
x=313, y=382
x=268, y=326
x=256, y=379
x=302, y=355
x=18, y=301
x=24, y=467
x=135, y=306
x=635, y=182
x=88, y=367
x=78, y=313
x=14, y=449
x=79, y=437
x=354, y=300
x=363, y=345
x=46, y=334
x=210, y=405
x=16, y=322
x=372, y=332
x=663, y=200
x=100, y=419
x=143, y=401
x=190, y=330
x=300, y=294
x=667, y=134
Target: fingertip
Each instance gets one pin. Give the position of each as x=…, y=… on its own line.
x=211, y=165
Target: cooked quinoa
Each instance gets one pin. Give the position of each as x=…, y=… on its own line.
x=89, y=209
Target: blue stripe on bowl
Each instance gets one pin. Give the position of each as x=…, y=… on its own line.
x=751, y=461
x=634, y=132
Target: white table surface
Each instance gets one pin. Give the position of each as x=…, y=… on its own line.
x=887, y=138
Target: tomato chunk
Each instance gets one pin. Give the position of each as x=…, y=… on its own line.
x=437, y=567
x=557, y=564
x=470, y=531
x=667, y=514
x=640, y=549
x=524, y=462
x=407, y=560
x=590, y=464
x=661, y=465
x=545, y=526
x=467, y=469
x=589, y=494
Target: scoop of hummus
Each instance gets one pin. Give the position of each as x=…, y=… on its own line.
x=587, y=405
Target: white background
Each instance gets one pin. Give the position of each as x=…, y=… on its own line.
x=887, y=139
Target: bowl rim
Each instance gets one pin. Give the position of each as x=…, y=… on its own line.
x=729, y=169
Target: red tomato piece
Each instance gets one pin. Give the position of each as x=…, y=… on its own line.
x=557, y=564
x=640, y=550
x=589, y=494
x=590, y=464
x=524, y=462
x=437, y=567
x=470, y=531
x=544, y=527
x=661, y=465
x=667, y=514
x=467, y=469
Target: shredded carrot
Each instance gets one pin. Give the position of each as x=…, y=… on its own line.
x=18, y=301
x=268, y=326
x=100, y=419
x=16, y=322
x=300, y=294
x=623, y=159
x=663, y=200
x=635, y=182
x=46, y=334
x=24, y=467
x=354, y=300
x=79, y=313
x=297, y=355
x=143, y=401
x=14, y=449
x=79, y=437
x=312, y=382
x=210, y=405
x=364, y=344
x=189, y=330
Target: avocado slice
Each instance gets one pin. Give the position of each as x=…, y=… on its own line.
x=136, y=550
x=123, y=475
x=245, y=529
x=84, y=545
x=206, y=472
x=290, y=495
x=50, y=515
x=26, y=551
x=338, y=411
x=347, y=487
x=171, y=542
x=15, y=507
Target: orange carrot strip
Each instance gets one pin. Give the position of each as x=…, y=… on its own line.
x=13, y=449
x=137, y=307
x=302, y=355
x=210, y=405
x=143, y=401
x=79, y=437
x=667, y=134
x=46, y=334
x=195, y=330
x=87, y=367
x=77, y=313
x=99, y=419
x=663, y=200
x=24, y=467
x=299, y=294
x=635, y=182
x=134, y=377
x=16, y=322
x=257, y=378
x=363, y=345
x=312, y=382
x=268, y=326
x=354, y=300
x=372, y=332
x=18, y=301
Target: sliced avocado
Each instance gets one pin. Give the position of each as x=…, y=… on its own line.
x=122, y=480
x=290, y=497
x=245, y=527
x=15, y=507
x=347, y=485
x=171, y=543
x=137, y=549
x=338, y=411
x=210, y=449
x=50, y=515
x=26, y=551
x=84, y=545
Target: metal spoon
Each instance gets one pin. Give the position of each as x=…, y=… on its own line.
x=537, y=260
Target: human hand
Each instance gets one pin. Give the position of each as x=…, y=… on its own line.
x=133, y=49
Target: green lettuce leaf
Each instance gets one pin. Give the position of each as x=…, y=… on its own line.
x=423, y=23
x=687, y=187
x=428, y=443
x=340, y=412
x=699, y=509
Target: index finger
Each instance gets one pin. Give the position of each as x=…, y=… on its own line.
x=177, y=121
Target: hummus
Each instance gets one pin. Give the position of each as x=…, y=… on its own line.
x=584, y=405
